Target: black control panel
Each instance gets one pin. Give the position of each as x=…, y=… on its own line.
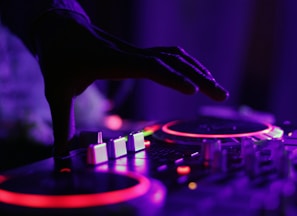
x=210, y=165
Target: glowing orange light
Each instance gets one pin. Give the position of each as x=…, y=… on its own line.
x=152, y=128
x=183, y=170
x=166, y=129
x=192, y=185
x=79, y=200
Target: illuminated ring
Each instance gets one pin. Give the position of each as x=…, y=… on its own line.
x=79, y=200
x=167, y=130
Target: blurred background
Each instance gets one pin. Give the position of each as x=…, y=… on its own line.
x=248, y=45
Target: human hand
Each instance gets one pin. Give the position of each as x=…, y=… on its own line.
x=73, y=53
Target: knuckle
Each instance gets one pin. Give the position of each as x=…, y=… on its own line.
x=179, y=49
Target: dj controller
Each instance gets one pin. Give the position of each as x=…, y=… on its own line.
x=212, y=164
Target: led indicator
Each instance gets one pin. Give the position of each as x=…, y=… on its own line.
x=192, y=185
x=183, y=170
x=66, y=169
x=147, y=143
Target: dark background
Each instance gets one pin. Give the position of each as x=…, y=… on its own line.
x=249, y=46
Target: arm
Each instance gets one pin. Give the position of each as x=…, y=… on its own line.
x=72, y=54
x=22, y=18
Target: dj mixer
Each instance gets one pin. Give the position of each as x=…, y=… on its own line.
x=212, y=164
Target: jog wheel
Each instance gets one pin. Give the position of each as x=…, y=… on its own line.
x=88, y=193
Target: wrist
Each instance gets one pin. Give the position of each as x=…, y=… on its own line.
x=54, y=20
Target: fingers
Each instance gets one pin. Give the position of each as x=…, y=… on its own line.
x=191, y=69
x=206, y=83
x=169, y=66
x=171, y=70
x=139, y=66
x=163, y=74
x=176, y=63
x=182, y=53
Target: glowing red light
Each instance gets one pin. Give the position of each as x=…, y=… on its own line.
x=147, y=143
x=3, y=178
x=79, y=200
x=169, y=140
x=183, y=170
x=166, y=129
x=206, y=163
x=66, y=169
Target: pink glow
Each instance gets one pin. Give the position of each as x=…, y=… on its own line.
x=166, y=129
x=113, y=122
x=80, y=200
x=158, y=196
x=3, y=178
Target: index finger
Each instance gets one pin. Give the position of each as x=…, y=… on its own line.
x=204, y=81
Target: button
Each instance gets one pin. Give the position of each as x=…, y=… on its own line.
x=183, y=170
x=179, y=160
x=117, y=147
x=135, y=142
x=283, y=162
x=195, y=154
x=251, y=158
x=219, y=163
x=97, y=153
x=162, y=167
x=209, y=148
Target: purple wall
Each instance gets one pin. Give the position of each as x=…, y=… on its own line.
x=249, y=46
x=213, y=32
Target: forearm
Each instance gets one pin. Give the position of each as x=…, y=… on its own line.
x=20, y=16
x=29, y=20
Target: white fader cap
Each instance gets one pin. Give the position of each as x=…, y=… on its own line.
x=116, y=147
x=135, y=142
x=97, y=153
